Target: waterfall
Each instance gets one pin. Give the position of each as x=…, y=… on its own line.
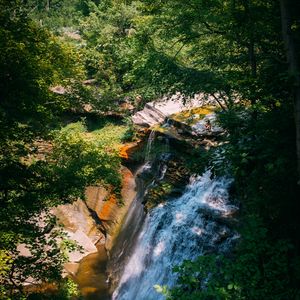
x=180, y=229
x=149, y=145
x=132, y=223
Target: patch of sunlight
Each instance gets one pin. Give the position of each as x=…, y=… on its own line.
x=179, y=217
x=110, y=135
x=192, y=116
x=197, y=230
x=159, y=248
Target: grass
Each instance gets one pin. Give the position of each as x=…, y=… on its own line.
x=110, y=135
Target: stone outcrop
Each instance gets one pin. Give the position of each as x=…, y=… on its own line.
x=108, y=210
x=157, y=111
x=167, y=185
x=128, y=150
x=80, y=227
x=95, y=222
x=76, y=217
x=95, y=196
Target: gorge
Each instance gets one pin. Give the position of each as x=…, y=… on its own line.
x=149, y=150
x=195, y=220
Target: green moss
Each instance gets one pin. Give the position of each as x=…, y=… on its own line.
x=192, y=116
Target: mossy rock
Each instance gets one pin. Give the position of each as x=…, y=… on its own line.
x=173, y=183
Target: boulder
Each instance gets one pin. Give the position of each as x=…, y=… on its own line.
x=76, y=216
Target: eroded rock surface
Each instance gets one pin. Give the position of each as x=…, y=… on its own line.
x=76, y=217
x=95, y=222
x=114, y=214
x=157, y=111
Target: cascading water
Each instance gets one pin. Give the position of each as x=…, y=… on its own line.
x=134, y=220
x=149, y=145
x=180, y=229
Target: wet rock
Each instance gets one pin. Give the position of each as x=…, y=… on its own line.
x=168, y=187
x=200, y=128
x=118, y=213
x=109, y=211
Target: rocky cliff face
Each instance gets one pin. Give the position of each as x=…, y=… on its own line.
x=106, y=207
x=94, y=222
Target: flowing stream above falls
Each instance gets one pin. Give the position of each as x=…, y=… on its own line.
x=180, y=229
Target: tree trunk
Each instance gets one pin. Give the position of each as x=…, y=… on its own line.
x=251, y=46
x=290, y=13
x=252, y=57
x=297, y=119
x=48, y=5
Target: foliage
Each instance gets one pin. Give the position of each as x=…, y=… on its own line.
x=259, y=270
x=130, y=134
x=56, y=14
x=65, y=290
x=107, y=30
x=237, y=44
x=32, y=62
x=83, y=158
x=135, y=51
x=69, y=289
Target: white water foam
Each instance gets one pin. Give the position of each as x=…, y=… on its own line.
x=180, y=229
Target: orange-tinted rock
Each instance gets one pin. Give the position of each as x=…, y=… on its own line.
x=109, y=211
x=95, y=197
x=128, y=185
x=80, y=225
x=128, y=193
x=127, y=150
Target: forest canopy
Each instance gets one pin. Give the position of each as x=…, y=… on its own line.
x=100, y=54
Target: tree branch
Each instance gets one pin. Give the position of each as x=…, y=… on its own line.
x=218, y=101
x=212, y=30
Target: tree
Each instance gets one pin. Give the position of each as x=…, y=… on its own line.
x=239, y=44
x=32, y=62
x=290, y=18
x=107, y=30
